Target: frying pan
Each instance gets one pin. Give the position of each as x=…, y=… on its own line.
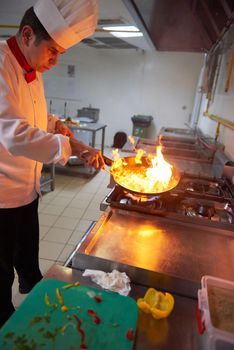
x=131, y=165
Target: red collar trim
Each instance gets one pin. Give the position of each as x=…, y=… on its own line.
x=30, y=74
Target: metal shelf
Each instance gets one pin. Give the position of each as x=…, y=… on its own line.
x=48, y=178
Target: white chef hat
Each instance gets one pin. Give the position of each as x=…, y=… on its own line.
x=67, y=21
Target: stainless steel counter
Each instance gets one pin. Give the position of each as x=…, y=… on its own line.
x=76, y=166
x=177, y=332
x=93, y=128
x=157, y=251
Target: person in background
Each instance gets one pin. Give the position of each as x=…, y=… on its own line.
x=29, y=137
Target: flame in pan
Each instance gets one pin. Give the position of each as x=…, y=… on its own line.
x=149, y=173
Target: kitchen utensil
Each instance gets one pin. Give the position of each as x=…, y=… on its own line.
x=228, y=82
x=54, y=317
x=131, y=165
x=107, y=160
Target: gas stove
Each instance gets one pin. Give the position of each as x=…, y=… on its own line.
x=198, y=199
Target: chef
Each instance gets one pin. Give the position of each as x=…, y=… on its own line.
x=29, y=137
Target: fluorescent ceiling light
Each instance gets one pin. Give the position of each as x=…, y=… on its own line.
x=124, y=31
x=126, y=35
x=124, y=28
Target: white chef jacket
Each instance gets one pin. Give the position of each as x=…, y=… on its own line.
x=25, y=143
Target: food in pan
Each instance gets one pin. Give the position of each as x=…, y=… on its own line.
x=150, y=174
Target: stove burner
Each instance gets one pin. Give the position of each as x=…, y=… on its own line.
x=206, y=199
x=207, y=209
x=140, y=200
x=212, y=189
x=198, y=210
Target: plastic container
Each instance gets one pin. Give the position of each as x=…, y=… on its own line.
x=215, y=314
x=141, y=124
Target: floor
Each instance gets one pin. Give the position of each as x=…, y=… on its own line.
x=65, y=215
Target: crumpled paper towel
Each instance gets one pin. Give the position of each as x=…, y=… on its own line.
x=115, y=281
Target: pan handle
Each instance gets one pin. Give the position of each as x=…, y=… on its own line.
x=107, y=160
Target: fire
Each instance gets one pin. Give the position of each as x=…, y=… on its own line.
x=146, y=174
x=131, y=139
x=139, y=155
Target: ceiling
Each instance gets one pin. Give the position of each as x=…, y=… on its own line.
x=112, y=13
x=167, y=25
x=185, y=25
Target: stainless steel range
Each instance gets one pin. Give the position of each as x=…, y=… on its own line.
x=167, y=242
x=197, y=199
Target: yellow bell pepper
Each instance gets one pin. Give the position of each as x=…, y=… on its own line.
x=159, y=304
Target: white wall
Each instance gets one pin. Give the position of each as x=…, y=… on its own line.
x=222, y=105
x=123, y=83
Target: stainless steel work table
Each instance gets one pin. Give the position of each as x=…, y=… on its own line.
x=177, y=332
x=83, y=169
x=93, y=128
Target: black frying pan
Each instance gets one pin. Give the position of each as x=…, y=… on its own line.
x=131, y=165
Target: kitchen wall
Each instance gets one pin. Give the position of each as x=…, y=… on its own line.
x=222, y=103
x=123, y=83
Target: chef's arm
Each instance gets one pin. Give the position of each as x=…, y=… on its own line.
x=56, y=126
x=60, y=128
x=92, y=156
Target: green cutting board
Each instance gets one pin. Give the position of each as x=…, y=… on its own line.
x=40, y=325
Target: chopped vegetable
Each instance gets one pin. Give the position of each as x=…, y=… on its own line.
x=59, y=296
x=64, y=308
x=91, y=293
x=130, y=334
x=75, y=284
x=98, y=299
x=159, y=304
x=47, y=301
x=82, y=333
x=96, y=319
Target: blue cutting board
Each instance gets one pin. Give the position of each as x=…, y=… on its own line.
x=44, y=326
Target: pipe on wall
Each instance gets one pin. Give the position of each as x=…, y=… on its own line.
x=222, y=121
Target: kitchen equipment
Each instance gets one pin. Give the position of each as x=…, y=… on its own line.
x=173, y=134
x=141, y=125
x=228, y=82
x=166, y=241
x=107, y=160
x=88, y=114
x=200, y=150
x=92, y=318
x=215, y=314
x=197, y=199
x=85, y=117
x=132, y=167
x=161, y=251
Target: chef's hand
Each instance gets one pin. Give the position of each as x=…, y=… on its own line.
x=60, y=128
x=92, y=156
